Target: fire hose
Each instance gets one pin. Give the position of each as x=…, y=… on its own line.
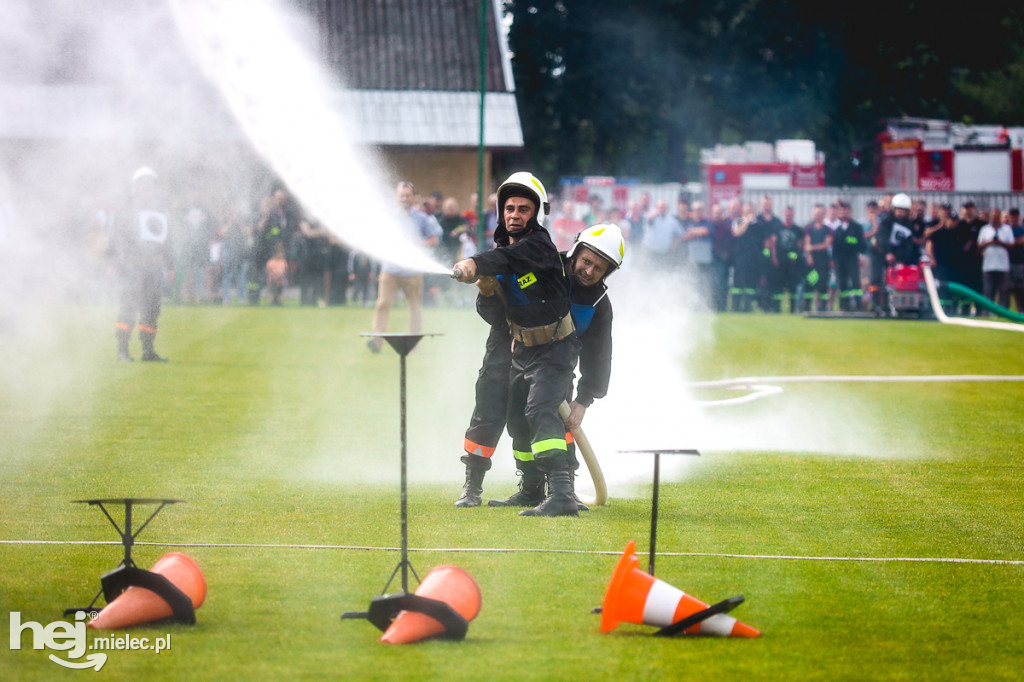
x=583, y=445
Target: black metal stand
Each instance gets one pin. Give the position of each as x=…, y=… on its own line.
x=385, y=607
x=654, y=496
x=127, y=574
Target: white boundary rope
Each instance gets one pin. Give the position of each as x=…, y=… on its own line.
x=761, y=387
x=516, y=550
x=854, y=378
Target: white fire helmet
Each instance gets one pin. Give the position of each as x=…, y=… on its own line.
x=517, y=182
x=604, y=240
x=901, y=200
x=142, y=172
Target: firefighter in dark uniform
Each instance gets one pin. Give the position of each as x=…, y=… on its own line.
x=896, y=242
x=817, y=247
x=545, y=348
x=900, y=244
x=847, y=245
x=144, y=256
x=597, y=252
x=748, y=261
x=787, y=273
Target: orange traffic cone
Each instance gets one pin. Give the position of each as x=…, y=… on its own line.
x=448, y=584
x=138, y=605
x=637, y=597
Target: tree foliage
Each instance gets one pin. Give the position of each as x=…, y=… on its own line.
x=638, y=88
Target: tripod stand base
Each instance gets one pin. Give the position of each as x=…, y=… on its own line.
x=385, y=608
x=114, y=583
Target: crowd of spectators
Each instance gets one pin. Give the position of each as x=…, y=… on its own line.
x=736, y=256
x=231, y=254
x=743, y=257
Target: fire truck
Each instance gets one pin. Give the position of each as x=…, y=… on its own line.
x=917, y=154
x=729, y=171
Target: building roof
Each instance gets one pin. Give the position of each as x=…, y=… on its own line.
x=410, y=67
x=413, y=70
x=412, y=44
x=432, y=119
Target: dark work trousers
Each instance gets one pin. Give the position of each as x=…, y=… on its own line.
x=848, y=281
x=787, y=279
x=540, y=380
x=140, y=299
x=489, y=413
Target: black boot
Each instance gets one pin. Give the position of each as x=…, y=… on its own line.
x=572, y=487
x=531, y=488
x=148, y=354
x=560, y=501
x=476, y=467
x=123, y=336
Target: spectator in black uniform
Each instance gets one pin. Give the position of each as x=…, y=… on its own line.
x=817, y=247
x=967, y=242
x=362, y=275
x=847, y=245
x=273, y=227
x=1012, y=218
x=722, y=244
x=321, y=256
x=145, y=257
x=942, y=246
x=787, y=272
x=876, y=257
x=766, y=225
x=545, y=348
x=747, y=260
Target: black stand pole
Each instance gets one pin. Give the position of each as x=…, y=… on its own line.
x=404, y=482
x=654, y=513
x=384, y=608
x=654, y=496
x=403, y=345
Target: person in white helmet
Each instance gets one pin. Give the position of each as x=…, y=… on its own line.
x=144, y=256
x=534, y=285
x=881, y=247
x=900, y=246
x=596, y=253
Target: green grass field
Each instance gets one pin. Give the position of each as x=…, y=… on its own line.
x=279, y=428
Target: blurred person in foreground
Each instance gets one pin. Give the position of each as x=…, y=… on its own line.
x=145, y=259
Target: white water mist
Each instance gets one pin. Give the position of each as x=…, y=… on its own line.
x=291, y=110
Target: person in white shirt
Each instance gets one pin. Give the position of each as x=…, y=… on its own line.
x=995, y=241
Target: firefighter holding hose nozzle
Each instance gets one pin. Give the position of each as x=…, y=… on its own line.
x=532, y=279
